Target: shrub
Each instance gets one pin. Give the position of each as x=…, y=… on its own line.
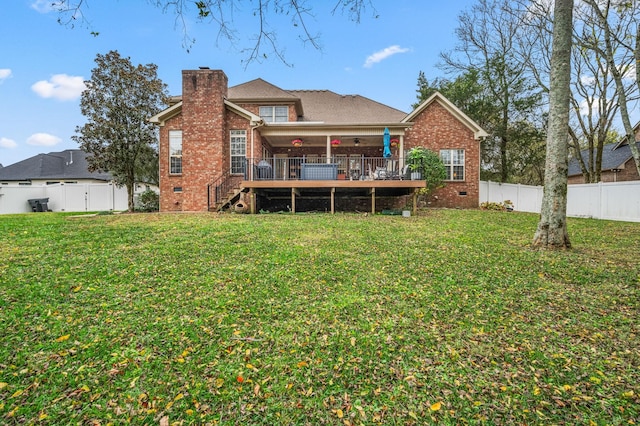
x=491, y=205
x=149, y=201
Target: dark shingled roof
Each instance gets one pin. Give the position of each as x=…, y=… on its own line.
x=70, y=164
x=258, y=89
x=318, y=105
x=330, y=107
x=613, y=156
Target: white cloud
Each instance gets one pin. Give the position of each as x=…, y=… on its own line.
x=4, y=74
x=384, y=54
x=595, y=107
x=7, y=143
x=587, y=80
x=45, y=6
x=60, y=86
x=43, y=139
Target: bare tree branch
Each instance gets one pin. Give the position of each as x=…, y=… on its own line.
x=221, y=14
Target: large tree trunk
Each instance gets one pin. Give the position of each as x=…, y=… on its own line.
x=552, y=228
x=130, y=192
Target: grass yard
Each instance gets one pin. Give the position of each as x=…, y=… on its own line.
x=447, y=318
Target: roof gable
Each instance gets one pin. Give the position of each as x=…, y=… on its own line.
x=259, y=89
x=452, y=109
x=623, y=141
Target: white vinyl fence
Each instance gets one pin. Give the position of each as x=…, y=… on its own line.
x=64, y=197
x=611, y=200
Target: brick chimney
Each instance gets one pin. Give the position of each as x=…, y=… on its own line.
x=203, y=133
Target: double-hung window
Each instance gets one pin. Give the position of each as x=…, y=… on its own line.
x=453, y=160
x=274, y=114
x=175, y=152
x=238, y=148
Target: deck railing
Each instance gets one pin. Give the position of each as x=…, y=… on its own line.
x=318, y=168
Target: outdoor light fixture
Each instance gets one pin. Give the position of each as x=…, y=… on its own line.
x=356, y=141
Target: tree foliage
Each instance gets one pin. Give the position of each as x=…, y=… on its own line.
x=263, y=37
x=430, y=165
x=488, y=57
x=525, y=154
x=118, y=102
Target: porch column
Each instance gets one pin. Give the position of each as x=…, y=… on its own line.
x=328, y=149
x=401, y=153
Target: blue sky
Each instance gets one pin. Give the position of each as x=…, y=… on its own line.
x=43, y=63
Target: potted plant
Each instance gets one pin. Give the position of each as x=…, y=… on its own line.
x=428, y=166
x=416, y=158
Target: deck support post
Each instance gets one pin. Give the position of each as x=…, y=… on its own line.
x=373, y=200
x=415, y=201
x=293, y=200
x=333, y=200
x=252, y=200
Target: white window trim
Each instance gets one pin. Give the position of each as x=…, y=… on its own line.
x=236, y=134
x=451, y=164
x=175, y=133
x=272, y=117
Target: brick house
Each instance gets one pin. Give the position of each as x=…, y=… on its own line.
x=618, y=164
x=256, y=146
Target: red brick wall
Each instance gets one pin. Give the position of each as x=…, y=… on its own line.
x=436, y=128
x=169, y=200
x=203, y=135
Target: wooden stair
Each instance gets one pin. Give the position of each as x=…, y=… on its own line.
x=230, y=198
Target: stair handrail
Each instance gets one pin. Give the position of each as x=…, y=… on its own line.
x=221, y=186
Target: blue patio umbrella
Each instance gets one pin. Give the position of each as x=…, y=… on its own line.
x=387, y=144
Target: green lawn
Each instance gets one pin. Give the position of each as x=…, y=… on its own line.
x=448, y=318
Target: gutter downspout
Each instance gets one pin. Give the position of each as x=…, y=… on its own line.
x=253, y=128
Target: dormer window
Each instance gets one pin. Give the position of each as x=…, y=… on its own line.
x=274, y=114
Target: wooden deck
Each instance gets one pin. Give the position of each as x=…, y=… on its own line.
x=296, y=187
x=333, y=184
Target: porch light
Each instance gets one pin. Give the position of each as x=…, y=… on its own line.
x=336, y=142
x=356, y=141
x=296, y=142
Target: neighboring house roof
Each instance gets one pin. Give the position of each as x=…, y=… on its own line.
x=70, y=164
x=614, y=155
x=455, y=111
x=636, y=131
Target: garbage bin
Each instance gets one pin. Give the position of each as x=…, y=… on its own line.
x=39, y=204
